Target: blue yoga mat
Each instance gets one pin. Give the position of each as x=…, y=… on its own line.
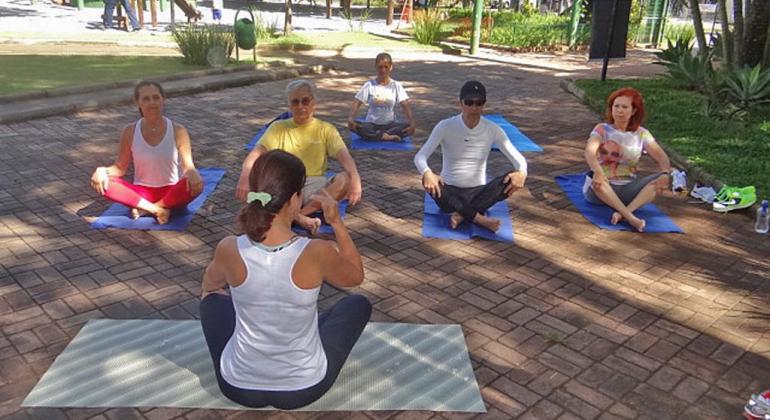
x=325, y=229
x=118, y=215
x=358, y=143
x=285, y=116
x=435, y=224
x=520, y=141
x=657, y=221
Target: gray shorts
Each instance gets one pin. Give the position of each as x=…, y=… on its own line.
x=626, y=192
x=313, y=184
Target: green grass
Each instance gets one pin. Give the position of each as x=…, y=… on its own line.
x=25, y=73
x=732, y=151
x=338, y=40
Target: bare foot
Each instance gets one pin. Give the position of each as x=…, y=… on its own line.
x=616, y=218
x=162, y=215
x=390, y=137
x=455, y=219
x=487, y=222
x=638, y=224
x=136, y=213
x=310, y=224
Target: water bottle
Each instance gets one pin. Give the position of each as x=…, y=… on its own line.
x=763, y=219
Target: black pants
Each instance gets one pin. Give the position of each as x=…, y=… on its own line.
x=471, y=201
x=371, y=131
x=339, y=329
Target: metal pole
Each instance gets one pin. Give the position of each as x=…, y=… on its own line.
x=478, y=10
x=80, y=4
x=613, y=16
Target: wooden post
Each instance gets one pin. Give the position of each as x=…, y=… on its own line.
x=328, y=9
x=154, y=12
x=389, y=18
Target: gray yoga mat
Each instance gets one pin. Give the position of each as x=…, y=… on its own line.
x=162, y=363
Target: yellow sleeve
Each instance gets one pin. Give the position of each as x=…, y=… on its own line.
x=332, y=140
x=269, y=139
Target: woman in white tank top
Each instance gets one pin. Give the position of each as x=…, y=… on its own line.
x=161, y=152
x=259, y=314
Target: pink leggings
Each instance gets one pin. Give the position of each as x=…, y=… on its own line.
x=128, y=194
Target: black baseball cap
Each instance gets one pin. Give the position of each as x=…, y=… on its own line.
x=473, y=88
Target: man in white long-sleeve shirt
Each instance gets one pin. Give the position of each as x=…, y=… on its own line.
x=462, y=189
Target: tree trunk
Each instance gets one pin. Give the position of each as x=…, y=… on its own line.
x=345, y=5
x=756, y=33
x=287, y=19
x=766, y=54
x=738, y=32
x=697, y=22
x=389, y=18
x=328, y=9
x=726, y=35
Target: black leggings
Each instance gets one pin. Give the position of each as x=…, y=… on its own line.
x=471, y=201
x=339, y=329
x=374, y=132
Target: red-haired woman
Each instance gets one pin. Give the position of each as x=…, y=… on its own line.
x=613, y=177
x=269, y=345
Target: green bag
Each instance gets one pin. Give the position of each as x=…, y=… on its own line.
x=245, y=36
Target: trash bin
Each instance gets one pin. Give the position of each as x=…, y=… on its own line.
x=245, y=36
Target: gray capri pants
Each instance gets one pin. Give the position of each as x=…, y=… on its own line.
x=626, y=192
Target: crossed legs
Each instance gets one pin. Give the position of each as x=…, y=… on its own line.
x=471, y=203
x=337, y=188
x=157, y=201
x=626, y=199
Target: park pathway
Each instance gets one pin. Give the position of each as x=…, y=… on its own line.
x=568, y=322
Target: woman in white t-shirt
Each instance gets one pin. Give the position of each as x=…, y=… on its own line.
x=613, y=151
x=382, y=95
x=259, y=312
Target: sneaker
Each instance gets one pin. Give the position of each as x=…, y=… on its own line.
x=739, y=198
x=705, y=194
x=678, y=181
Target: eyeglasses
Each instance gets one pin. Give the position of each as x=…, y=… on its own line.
x=304, y=101
x=605, y=153
x=477, y=102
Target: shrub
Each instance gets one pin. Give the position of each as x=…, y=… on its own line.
x=679, y=32
x=672, y=52
x=428, y=26
x=691, y=71
x=194, y=41
x=748, y=87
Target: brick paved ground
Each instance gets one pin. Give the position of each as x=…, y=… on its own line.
x=569, y=322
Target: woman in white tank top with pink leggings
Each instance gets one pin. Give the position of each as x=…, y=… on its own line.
x=164, y=174
x=259, y=313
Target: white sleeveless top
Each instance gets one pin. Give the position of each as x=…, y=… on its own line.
x=275, y=345
x=155, y=166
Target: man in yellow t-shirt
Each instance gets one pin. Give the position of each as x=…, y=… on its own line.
x=313, y=141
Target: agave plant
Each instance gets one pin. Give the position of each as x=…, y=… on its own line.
x=748, y=87
x=672, y=53
x=691, y=71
